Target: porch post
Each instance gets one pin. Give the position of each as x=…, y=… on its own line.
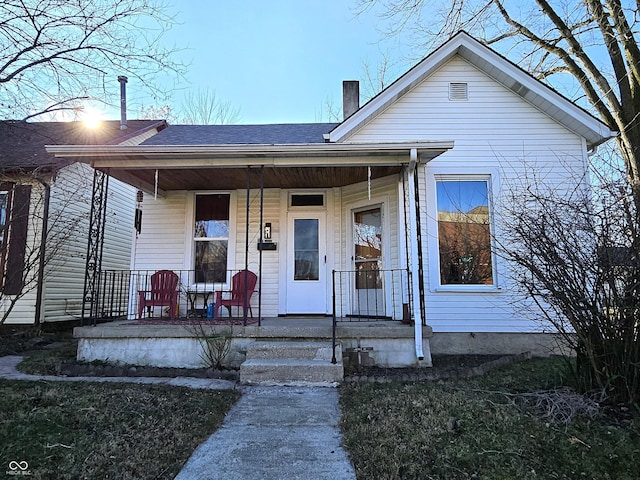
x=95, y=243
x=260, y=244
x=246, y=249
x=414, y=258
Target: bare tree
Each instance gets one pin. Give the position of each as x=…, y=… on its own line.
x=162, y=112
x=574, y=254
x=56, y=53
x=377, y=77
x=588, y=46
x=203, y=107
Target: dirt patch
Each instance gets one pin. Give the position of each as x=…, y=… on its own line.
x=75, y=369
x=444, y=367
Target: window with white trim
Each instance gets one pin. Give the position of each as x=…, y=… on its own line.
x=211, y=237
x=4, y=197
x=464, y=231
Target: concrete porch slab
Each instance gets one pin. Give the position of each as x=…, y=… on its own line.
x=177, y=345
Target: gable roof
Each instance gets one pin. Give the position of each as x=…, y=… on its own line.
x=276, y=134
x=22, y=144
x=495, y=66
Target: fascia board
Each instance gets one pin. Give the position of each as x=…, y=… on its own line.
x=298, y=155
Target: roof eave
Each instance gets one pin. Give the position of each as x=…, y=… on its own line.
x=315, y=154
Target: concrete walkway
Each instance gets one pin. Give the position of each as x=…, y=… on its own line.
x=273, y=433
x=270, y=433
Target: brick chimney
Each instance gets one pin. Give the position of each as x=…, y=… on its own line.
x=350, y=97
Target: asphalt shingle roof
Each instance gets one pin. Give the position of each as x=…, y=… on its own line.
x=22, y=144
x=276, y=134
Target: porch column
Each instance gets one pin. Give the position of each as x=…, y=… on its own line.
x=95, y=244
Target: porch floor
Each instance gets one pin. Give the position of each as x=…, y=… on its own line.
x=270, y=327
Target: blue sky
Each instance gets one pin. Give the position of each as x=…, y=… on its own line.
x=278, y=61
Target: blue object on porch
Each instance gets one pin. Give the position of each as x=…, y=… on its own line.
x=210, y=308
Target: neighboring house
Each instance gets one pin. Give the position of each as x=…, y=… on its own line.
x=389, y=214
x=42, y=276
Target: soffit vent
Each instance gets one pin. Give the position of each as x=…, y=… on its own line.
x=458, y=91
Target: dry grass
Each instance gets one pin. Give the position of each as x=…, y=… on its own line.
x=89, y=431
x=471, y=429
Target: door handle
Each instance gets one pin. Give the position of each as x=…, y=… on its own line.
x=325, y=259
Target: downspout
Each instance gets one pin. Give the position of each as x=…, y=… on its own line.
x=43, y=243
x=413, y=247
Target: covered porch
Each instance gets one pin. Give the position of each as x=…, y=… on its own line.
x=265, y=185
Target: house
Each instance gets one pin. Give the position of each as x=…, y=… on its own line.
x=44, y=211
x=389, y=216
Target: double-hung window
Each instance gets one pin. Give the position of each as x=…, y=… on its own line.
x=464, y=231
x=211, y=237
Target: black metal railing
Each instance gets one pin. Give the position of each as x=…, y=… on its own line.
x=117, y=296
x=365, y=295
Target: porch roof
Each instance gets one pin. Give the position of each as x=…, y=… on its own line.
x=223, y=166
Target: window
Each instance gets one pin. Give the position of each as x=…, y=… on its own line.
x=464, y=233
x=14, y=223
x=307, y=200
x=4, y=197
x=211, y=237
x=367, y=234
x=306, y=247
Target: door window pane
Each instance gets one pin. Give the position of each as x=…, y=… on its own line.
x=367, y=235
x=464, y=236
x=306, y=249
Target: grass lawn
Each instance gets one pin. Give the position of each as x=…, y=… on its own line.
x=89, y=431
x=473, y=428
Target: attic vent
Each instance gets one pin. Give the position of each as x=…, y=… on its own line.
x=458, y=91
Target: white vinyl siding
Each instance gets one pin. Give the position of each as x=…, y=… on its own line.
x=162, y=240
x=495, y=133
x=270, y=258
x=69, y=219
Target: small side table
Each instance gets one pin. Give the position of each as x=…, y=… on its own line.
x=192, y=297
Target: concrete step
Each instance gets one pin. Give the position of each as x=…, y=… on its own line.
x=291, y=363
x=285, y=371
x=296, y=350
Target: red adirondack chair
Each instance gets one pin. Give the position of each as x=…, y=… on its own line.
x=163, y=293
x=238, y=286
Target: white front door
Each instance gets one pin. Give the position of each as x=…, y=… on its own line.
x=306, y=263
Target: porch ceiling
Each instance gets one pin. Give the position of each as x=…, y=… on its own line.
x=203, y=167
x=236, y=178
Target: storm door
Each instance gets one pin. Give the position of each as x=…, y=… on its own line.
x=368, y=285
